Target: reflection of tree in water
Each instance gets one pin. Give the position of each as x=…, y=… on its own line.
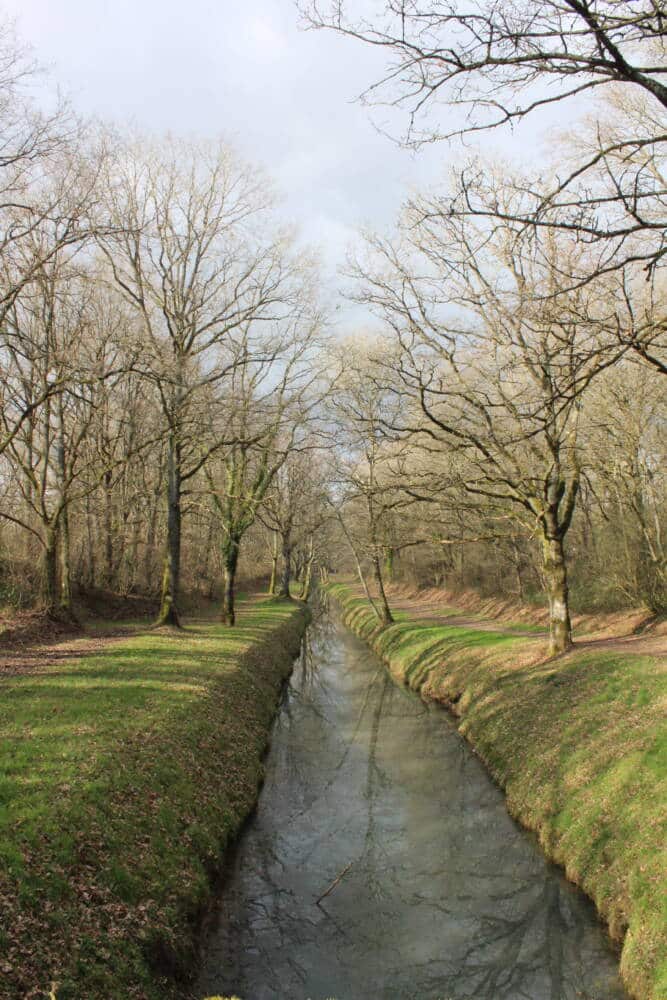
x=306, y=685
x=309, y=688
x=523, y=942
x=509, y=954
x=517, y=945
x=370, y=861
x=535, y=945
x=266, y=915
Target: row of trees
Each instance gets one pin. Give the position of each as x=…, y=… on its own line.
x=517, y=394
x=172, y=408
x=478, y=462
x=159, y=338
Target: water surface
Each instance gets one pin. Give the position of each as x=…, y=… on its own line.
x=445, y=898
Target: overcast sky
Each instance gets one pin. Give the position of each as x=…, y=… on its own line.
x=285, y=97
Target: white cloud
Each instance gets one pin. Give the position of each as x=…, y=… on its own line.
x=268, y=39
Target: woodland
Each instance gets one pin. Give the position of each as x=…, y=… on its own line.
x=177, y=409
x=195, y=453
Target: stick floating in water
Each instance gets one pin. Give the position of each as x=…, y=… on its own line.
x=333, y=885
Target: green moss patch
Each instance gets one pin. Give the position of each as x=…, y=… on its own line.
x=579, y=745
x=124, y=776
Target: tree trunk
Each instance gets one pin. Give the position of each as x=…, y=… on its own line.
x=132, y=565
x=555, y=577
x=91, y=566
x=50, y=572
x=62, y=534
x=149, y=556
x=108, y=531
x=308, y=575
x=386, y=616
x=650, y=582
x=172, y=565
x=231, y=560
x=517, y=563
x=207, y=575
x=307, y=582
x=65, y=568
x=286, y=575
x=297, y=565
x=360, y=572
x=274, y=564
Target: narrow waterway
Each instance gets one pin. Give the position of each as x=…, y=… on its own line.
x=445, y=897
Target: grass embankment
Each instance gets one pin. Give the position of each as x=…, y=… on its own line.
x=579, y=745
x=124, y=776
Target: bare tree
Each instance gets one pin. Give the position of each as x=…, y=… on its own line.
x=123, y=443
x=265, y=412
x=47, y=454
x=492, y=198
x=367, y=497
x=32, y=253
x=481, y=65
x=627, y=481
x=49, y=161
x=492, y=58
x=198, y=257
x=491, y=371
x=294, y=512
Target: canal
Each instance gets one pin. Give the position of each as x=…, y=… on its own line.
x=435, y=892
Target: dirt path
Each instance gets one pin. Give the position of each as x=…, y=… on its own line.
x=433, y=611
x=428, y=607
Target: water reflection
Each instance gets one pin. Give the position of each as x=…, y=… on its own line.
x=444, y=897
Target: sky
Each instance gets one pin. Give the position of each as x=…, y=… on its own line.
x=283, y=96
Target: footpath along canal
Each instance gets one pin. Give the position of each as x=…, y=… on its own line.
x=443, y=895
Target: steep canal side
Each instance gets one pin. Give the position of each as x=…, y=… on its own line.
x=444, y=896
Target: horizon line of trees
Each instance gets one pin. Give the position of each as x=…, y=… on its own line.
x=160, y=337
x=516, y=395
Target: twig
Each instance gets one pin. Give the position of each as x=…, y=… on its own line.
x=333, y=885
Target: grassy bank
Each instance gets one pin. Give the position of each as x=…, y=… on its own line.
x=580, y=746
x=124, y=776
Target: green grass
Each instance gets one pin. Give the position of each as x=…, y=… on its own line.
x=579, y=744
x=95, y=626
x=123, y=776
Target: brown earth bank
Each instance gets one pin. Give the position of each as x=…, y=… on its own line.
x=635, y=629
x=40, y=655
x=34, y=640
x=100, y=609
x=105, y=610
x=577, y=742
